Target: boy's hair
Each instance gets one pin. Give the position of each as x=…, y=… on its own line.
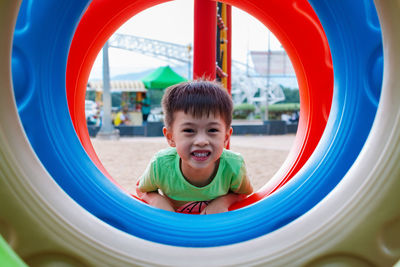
x=198, y=98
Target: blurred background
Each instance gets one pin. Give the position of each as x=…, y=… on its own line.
x=154, y=50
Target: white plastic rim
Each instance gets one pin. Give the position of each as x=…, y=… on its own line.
x=357, y=224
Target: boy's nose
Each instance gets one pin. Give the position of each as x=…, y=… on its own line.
x=201, y=140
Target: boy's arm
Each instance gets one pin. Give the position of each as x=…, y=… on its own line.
x=240, y=188
x=155, y=199
x=147, y=188
x=222, y=203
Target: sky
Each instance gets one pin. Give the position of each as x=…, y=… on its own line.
x=173, y=22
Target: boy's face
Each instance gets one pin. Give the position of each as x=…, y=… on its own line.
x=198, y=141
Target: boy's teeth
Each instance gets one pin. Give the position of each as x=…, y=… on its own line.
x=204, y=154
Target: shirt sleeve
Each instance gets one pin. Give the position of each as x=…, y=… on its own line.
x=148, y=179
x=241, y=183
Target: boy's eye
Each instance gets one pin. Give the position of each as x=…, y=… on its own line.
x=213, y=130
x=188, y=130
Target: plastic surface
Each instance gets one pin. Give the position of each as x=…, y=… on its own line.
x=205, y=39
x=73, y=170
x=308, y=50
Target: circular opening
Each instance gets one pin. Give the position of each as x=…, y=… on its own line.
x=332, y=143
x=63, y=156
x=126, y=159
x=89, y=187
x=314, y=117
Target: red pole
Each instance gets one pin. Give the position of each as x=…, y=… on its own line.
x=229, y=48
x=205, y=38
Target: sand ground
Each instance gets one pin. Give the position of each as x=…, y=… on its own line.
x=125, y=159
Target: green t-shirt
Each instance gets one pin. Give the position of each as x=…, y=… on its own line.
x=164, y=173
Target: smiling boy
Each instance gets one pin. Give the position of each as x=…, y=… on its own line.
x=196, y=174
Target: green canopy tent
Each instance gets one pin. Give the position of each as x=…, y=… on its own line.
x=161, y=78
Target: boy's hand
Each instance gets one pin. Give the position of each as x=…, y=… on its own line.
x=222, y=203
x=156, y=200
x=215, y=206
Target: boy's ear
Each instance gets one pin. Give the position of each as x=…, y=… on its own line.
x=168, y=134
x=228, y=136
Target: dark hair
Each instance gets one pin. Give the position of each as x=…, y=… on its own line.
x=198, y=98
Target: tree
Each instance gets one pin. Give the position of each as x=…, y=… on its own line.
x=291, y=95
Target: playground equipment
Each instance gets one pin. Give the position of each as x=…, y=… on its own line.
x=316, y=102
x=338, y=208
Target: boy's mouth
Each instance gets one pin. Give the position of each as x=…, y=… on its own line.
x=200, y=155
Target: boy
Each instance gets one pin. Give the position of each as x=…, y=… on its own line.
x=196, y=174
